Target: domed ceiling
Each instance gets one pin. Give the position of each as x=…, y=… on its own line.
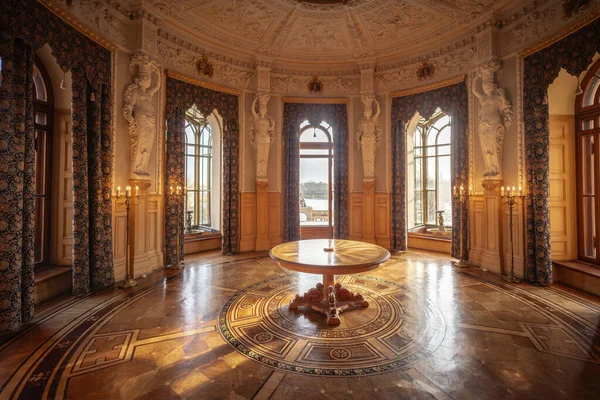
x=325, y=31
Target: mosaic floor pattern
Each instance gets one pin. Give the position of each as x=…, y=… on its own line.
x=397, y=329
x=431, y=332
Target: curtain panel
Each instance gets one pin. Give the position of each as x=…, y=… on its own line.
x=293, y=115
x=453, y=100
x=181, y=96
x=26, y=27
x=574, y=53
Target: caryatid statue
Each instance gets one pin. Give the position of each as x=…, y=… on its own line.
x=140, y=112
x=495, y=115
x=262, y=130
x=368, y=135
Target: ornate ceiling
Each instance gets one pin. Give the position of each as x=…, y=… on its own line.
x=325, y=31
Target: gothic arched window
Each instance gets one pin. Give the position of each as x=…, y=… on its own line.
x=432, y=166
x=198, y=167
x=316, y=175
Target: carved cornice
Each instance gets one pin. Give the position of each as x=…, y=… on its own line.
x=204, y=84
x=427, y=88
x=316, y=100
x=77, y=25
x=575, y=26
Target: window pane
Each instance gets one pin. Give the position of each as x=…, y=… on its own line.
x=590, y=91
x=431, y=208
x=322, y=152
x=431, y=173
x=587, y=124
x=589, y=226
x=418, y=134
x=40, y=118
x=314, y=191
x=418, y=207
x=445, y=189
x=430, y=151
x=190, y=175
x=418, y=173
x=444, y=150
x=587, y=160
x=444, y=136
x=431, y=136
x=418, y=151
x=314, y=135
x=440, y=123
x=40, y=87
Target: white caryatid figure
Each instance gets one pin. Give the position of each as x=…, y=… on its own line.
x=261, y=134
x=368, y=135
x=495, y=115
x=140, y=112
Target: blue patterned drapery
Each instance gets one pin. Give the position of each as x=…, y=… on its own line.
x=452, y=100
x=293, y=115
x=574, y=53
x=181, y=96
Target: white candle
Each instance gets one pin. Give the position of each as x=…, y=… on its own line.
x=470, y=190
x=118, y=191
x=137, y=188
x=520, y=190
x=171, y=190
x=128, y=191
x=502, y=191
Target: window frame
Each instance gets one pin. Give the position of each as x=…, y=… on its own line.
x=200, y=126
x=424, y=129
x=329, y=145
x=43, y=237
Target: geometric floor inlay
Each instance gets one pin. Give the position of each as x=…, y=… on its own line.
x=396, y=330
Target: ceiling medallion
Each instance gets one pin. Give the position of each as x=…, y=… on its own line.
x=204, y=67
x=425, y=71
x=315, y=85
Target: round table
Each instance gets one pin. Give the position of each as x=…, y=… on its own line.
x=329, y=257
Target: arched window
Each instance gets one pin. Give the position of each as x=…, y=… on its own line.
x=198, y=168
x=588, y=182
x=43, y=108
x=316, y=175
x=432, y=166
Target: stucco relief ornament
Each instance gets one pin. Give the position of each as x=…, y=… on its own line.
x=204, y=67
x=262, y=130
x=426, y=70
x=315, y=85
x=140, y=112
x=368, y=135
x=495, y=116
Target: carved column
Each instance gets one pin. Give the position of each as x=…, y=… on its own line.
x=368, y=135
x=261, y=136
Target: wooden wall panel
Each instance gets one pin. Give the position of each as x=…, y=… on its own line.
x=356, y=212
x=275, y=221
x=562, y=196
x=382, y=219
x=247, y=221
x=62, y=188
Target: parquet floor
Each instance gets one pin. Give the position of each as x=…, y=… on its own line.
x=431, y=331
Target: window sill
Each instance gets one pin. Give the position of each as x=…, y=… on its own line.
x=579, y=266
x=50, y=272
x=199, y=236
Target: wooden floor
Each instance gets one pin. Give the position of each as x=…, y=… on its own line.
x=430, y=331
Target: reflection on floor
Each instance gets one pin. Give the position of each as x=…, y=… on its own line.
x=431, y=332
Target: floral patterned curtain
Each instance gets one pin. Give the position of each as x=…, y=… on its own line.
x=293, y=115
x=181, y=96
x=16, y=187
x=26, y=27
x=573, y=53
x=453, y=100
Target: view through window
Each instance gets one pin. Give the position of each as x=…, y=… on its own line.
x=316, y=175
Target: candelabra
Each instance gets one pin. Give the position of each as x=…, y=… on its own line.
x=511, y=199
x=179, y=195
x=462, y=197
x=129, y=274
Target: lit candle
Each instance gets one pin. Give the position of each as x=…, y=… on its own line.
x=185, y=191
x=455, y=190
x=171, y=190
x=470, y=190
x=118, y=191
x=178, y=192
x=461, y=189
x=128, y=191
x=502, y=191
x=514, y=191
x=136, y=191
x=520, y=190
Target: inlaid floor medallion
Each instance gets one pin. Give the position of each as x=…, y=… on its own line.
x=396, y=330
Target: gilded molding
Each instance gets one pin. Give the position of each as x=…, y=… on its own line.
x=427, y=88
x=318, y=100
x=77, y=25
x=549, y=41
x=204, y=84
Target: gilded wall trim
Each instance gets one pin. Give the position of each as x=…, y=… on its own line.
x=204, y=84
x=76, y=24
x=549, y=41
x=427, y=88
x=316, y=100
